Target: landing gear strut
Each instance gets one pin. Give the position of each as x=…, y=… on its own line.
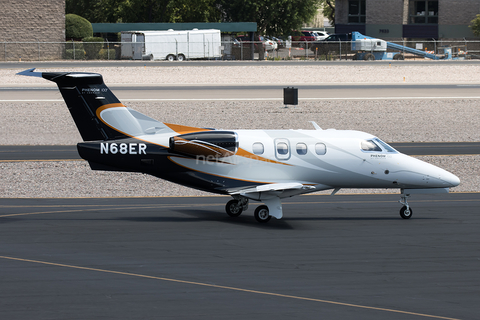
x=406, y=212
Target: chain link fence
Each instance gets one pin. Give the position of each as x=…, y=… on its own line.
x=229, y=50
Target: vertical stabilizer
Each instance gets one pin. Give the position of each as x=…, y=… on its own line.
x=86, y=95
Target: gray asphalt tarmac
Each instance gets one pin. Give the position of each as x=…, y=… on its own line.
x=56, y=152
x=340, y=257
x=256, y=92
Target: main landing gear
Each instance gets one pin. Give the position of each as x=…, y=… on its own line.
x=406, y=212
x=235, y=207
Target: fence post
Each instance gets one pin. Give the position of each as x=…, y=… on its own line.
x=73, y=46
x=108, y=49
x=340, y=50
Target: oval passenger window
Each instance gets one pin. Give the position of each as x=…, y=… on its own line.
x=320, y=149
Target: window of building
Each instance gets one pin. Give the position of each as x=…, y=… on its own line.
x=423, y=11
x=356, y=11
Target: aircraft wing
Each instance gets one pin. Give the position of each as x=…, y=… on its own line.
x=280, y=190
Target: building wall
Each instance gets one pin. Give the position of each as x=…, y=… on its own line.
x=386, y=18
x=32, y=21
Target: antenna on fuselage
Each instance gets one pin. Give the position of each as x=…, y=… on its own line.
x=315, y=125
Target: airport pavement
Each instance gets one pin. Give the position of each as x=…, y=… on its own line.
x=58, y=152
x=340, y=257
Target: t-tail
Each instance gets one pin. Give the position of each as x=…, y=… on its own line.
x=86, y=96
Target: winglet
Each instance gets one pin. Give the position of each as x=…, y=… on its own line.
x=30, y=73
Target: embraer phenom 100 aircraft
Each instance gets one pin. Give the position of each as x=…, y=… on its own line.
x=260, y=165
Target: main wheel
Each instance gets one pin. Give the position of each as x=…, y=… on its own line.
x=406, y=214
x=171, y=57
x=262, y=214
x=369, y=57
x=233, y=208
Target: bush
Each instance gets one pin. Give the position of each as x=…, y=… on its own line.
x=77, y=28
x=475, y=25
x=70, y=45
x=107, y=54
x=79, y=54
x=92, y=47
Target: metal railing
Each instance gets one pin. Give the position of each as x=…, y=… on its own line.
x=227, y=50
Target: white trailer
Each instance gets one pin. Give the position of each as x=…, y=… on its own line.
x=171, y=45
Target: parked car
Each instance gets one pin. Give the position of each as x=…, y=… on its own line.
x=321, y=35
x=270, y=44
x=245, y=42
x=280, y=42
x=303, y=36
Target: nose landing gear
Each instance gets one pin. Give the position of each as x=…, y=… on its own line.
x=406, y=212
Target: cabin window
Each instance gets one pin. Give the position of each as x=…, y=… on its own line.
x=370, y=145
x=376, y=145
x=282, y=149
x=385, y=145
x=301, y=148
x=258, y=148
x=320, y=149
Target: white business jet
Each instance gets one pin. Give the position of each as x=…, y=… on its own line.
x=260, y=165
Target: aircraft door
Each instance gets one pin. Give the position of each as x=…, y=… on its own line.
x=282, y=149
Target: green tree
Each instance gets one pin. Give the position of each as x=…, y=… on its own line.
x=273, y=17
x=77, y=27
x=475, y=25
x=328, y=7
x=145, y=10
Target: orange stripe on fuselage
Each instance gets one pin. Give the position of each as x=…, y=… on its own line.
x=246, y=154
x=184, y=129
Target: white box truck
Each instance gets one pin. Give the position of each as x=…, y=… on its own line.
x=171, y=45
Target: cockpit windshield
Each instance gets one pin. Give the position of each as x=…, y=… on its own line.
x=376, y=145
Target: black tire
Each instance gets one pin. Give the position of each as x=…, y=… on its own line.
x=262, y=214
x=233, y=209
x=369, y=57
x=181, y=57
x=398, y=56
x=170, y=57
x=406, y=214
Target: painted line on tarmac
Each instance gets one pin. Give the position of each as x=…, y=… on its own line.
x=225, y=287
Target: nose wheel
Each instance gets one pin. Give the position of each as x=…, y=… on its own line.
x=406, y=212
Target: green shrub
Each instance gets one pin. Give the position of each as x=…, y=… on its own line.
x=77, y=45
x=92, y=47
x=79, y=54
x=77, y=28
x=107, y=54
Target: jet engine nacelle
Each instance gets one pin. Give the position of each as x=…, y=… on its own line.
x=217, y=144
